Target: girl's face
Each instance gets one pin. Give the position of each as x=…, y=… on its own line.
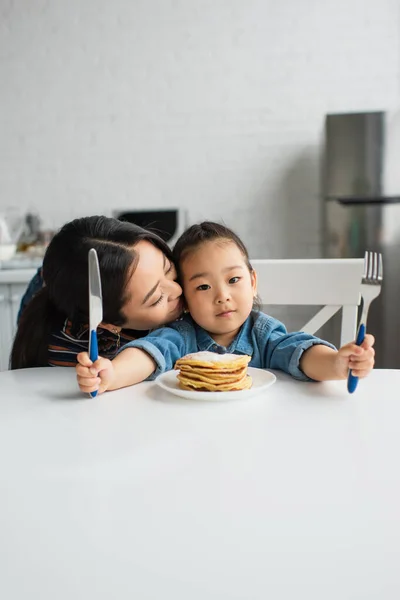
x=154, y=297
x=219, y=288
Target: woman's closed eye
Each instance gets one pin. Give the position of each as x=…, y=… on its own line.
x=160, y=299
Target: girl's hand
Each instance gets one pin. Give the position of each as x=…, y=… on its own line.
x=93, y=376
x=360, y=359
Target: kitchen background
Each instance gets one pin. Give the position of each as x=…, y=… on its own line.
x=216, y=107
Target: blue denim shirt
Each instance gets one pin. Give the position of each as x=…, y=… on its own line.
x=262, y=337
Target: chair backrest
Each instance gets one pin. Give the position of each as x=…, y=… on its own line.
x=333, y=283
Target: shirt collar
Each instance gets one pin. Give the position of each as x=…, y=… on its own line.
x=204, y=340
x=241, y=343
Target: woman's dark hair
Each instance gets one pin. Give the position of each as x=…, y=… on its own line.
x=65, y=274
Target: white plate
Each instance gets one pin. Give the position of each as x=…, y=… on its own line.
x=261, y=381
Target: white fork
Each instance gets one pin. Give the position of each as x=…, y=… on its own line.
x=370, y=289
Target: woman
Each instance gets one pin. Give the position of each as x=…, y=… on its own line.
x=139, y=289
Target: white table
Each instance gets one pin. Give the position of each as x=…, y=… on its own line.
x=136, y=494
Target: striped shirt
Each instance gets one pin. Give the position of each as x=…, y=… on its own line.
x=67, y=342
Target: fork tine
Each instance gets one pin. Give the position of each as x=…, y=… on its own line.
x=380, y=268
x=370, y=265
x=375, y=273
x=365, y=265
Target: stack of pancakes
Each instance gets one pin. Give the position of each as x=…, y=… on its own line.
x=207, y=371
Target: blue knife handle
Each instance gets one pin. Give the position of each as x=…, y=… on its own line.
x=352, y=381
x=94, y=353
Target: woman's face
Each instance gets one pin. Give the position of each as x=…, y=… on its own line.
x=154, y=297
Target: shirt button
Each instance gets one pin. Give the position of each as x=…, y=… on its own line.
x=219, y=349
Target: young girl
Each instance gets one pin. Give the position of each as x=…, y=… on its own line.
x=138, y=283
x=220, y=289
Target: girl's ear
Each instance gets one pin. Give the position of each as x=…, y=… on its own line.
x=253, y=275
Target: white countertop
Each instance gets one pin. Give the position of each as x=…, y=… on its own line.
x=294, y=493
x=16, y=275
x=19, y=269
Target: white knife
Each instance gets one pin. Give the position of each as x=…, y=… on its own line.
x=95, y=305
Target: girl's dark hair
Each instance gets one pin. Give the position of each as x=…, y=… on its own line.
x=65, y=274
x=207, y=231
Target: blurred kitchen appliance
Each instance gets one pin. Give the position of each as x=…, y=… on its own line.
x=361, y=210
x=167, y=223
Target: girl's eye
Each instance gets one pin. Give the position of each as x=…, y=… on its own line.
x=158, y=301
x=234, y=279
x=203, y=287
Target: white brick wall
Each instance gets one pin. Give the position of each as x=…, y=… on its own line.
x=216, y=105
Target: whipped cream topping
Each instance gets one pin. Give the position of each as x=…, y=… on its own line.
x=212, y=356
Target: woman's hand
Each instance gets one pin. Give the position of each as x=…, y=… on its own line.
x=360, y=359
x=93, y=376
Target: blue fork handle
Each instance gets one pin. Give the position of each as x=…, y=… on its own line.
x=352, y=381
x=94, y=353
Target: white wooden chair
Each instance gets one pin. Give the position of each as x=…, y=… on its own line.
x=332, y=283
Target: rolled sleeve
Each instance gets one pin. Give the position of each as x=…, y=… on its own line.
x=164, y=346
x=294, y=363
x=284, y=350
